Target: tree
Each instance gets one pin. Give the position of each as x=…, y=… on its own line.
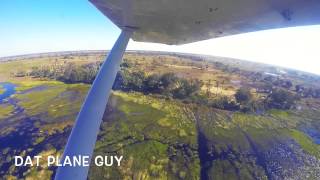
x=90, y=71
x=168, y=83
x=118, y=83
x=243, y=96
x=152, y=84
x=287, y=84
x=135, y=80
x=21, y=73
x=299, y=88
x=281, y=99
x=125, y=64
x=185, y=88
x=35, y=72
x=223, y=102
x=168, y=80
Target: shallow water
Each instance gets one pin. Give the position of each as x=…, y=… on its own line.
x=9, y=90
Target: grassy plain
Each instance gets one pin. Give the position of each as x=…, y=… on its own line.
x=160, y=138
x=148, y=132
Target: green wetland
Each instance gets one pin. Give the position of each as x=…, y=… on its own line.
x=166, y=134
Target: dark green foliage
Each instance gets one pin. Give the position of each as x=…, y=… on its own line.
x=307, y=92
x=185, y=88
x=281, y=99
x=243, y=95
x=125, y=64
x=287, y=84
x=68, y=73
x=133, y=81
x=171, y=86
x=168, y=80
x=167, y=84
x=282, y=83
x=299, y=88
x=224, y=103
x=152, y=84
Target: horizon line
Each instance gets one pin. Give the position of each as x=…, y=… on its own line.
x=79, y=52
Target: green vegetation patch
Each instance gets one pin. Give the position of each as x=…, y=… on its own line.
x=28, y=84
x=54, y=100
x=157, y=138
x=287, y=119
x=245, y=121
x=144, y=160
x=6, y=111
x=235, y=169
x=157, y=118
x=2, y=90
x=305, y=142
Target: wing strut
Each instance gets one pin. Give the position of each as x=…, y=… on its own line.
x=83, y=136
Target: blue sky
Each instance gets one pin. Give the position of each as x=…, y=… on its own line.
x=46, y=25
x=32, y=26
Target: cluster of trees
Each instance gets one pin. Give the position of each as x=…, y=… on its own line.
x=271, y=83
x=225, y=103
x=167, y=84
x=68, y=73
x=277, y=99
x=281, y=99
x=307, y=92
x=170, y=85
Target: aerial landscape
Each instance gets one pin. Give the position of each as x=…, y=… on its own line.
x=171, y=116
